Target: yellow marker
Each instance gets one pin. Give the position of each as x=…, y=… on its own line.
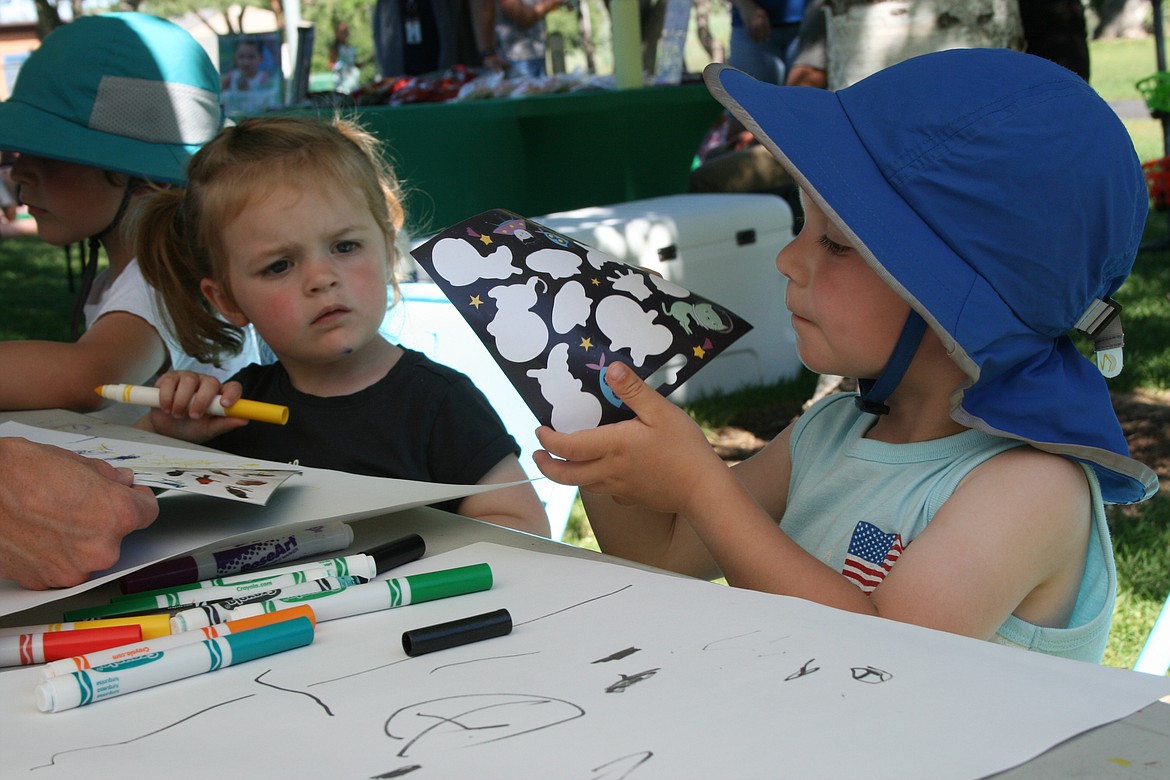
x=153, y=625
x=244, y=409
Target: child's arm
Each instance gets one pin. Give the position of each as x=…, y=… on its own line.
x=183, y=400
x=120, y=348
x=1011, y=539
x=513, y=507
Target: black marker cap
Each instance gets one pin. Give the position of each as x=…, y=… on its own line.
x=464, y=631
x=387, y=556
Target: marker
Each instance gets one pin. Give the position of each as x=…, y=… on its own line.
x=356, y=565
x=152, y=625
x=244, y=409
x=134, y=674
x=359, y=599
x=216, y=612
x=184, y=598
x=135, y=647
x=464, y=631
x=369, y=564
x=28, y=649
x=239, y=558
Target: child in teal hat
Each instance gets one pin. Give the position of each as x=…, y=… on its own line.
x=965, y=210
x=108, y=108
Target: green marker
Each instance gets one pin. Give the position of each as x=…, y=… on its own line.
x=359, y=599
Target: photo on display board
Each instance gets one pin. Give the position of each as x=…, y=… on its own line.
x=251, y=81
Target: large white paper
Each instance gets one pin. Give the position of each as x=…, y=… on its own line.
x=610, y=672
x=187, y=522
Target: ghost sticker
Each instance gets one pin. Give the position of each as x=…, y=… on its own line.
x=555, y=314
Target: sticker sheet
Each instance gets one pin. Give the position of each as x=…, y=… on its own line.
x=555, y=314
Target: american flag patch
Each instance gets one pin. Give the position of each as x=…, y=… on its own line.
x=872, y=553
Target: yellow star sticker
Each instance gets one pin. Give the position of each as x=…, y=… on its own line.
x=587, y=343
x=700, y=353
x=485, y=239
x=595, y=281
x=476, y=301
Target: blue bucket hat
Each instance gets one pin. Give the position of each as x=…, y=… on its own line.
x=124, y=92
x=1001, y=197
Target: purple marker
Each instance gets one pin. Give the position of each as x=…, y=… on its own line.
x=233, y=560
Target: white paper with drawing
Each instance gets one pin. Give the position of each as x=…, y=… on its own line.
x=188, y=521
x=610, y=672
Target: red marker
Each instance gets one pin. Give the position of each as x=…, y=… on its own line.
x=26, y=649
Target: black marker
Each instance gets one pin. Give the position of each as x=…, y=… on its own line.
x=464, y=631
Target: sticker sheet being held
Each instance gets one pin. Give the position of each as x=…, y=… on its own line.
x=953, y=239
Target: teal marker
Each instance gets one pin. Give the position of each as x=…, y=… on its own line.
x=358, y=599
x=146, y=671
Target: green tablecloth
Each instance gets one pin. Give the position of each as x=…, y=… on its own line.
x=541, y=154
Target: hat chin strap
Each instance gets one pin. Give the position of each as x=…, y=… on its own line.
x=872, y=393
x=89, y=271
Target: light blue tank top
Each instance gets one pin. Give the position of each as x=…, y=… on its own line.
x=886, y=494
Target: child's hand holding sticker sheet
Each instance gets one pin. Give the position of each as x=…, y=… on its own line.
x=555, y=313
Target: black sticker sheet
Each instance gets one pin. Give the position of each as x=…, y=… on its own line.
x=555, y=314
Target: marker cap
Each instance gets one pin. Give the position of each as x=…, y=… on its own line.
x=79, y=641
x=134, y=605
x=155, y=625
x=464, y=631
x=388, y=556
x=449, y=582
x=270, y=639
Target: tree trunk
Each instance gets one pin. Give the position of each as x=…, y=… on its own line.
x=714, y=47
x=1122, y=19
x=864, y=37
x=47, y=18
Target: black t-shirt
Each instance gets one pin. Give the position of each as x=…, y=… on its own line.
x=423, y=421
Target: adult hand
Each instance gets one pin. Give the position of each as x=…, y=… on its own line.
x=63, y=516
x=807, y=76
x=756, y=22
x=660, y=460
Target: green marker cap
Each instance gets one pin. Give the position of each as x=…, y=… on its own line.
x=449, y=582
x=123, y=608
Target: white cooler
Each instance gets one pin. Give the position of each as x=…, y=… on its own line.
x=722, y=246
x=424, y=320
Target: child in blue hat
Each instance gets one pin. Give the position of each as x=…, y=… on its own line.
x=965, y=210
x=108, y=108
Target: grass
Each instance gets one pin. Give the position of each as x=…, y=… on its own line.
x=35, y=302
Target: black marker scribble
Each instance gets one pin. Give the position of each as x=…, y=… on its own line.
x=621, y=768
x=320, y=703
x=476, y=719
x=399, y=772
x=711, y=645
x=870, y=675
x=619, y=655
x=53, y=758
x=621, y=685
x=803, y=671
x=488, y=658
x=574, y=606
x=360, y=672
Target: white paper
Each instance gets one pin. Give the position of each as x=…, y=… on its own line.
x=609, y=672
x=187, y=522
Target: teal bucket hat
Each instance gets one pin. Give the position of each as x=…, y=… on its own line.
x=124, y=92
x=1002, y=198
